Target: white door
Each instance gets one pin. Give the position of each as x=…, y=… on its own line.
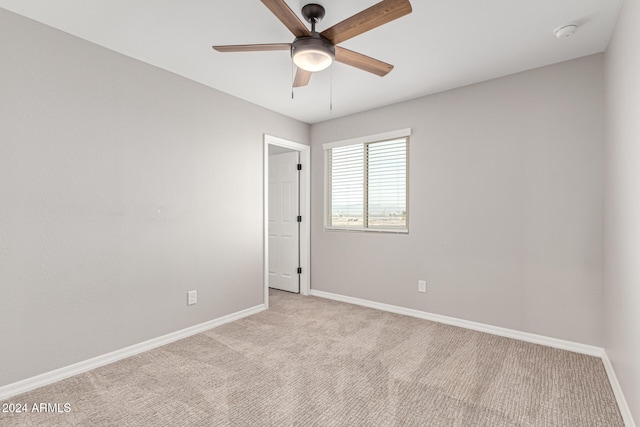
x=283, y=222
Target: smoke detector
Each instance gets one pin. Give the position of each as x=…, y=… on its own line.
x=565, y=31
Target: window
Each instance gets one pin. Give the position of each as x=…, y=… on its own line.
x=367, y=184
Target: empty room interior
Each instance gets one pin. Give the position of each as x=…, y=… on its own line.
x=420, y=213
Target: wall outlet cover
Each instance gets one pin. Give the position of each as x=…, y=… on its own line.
x=422, y=286
x=192, y=297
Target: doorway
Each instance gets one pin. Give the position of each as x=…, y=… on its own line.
x=286, y=216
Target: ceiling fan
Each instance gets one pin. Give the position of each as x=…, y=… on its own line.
x=312, y=51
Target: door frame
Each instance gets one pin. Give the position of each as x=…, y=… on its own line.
x=305, y=210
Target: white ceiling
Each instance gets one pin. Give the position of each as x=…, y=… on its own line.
x=443, y=44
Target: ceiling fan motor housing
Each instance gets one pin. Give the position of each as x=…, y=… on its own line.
x=316, y=42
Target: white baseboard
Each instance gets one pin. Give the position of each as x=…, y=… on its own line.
x=87, y=365
x=625, y=411
x=467, y=324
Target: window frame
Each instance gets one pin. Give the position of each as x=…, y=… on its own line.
x=370, y=139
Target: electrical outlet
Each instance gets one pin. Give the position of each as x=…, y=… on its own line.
x=192, y=297
x=422, y=286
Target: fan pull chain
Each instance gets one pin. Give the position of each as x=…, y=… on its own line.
x=292, y=82
x=331, y=89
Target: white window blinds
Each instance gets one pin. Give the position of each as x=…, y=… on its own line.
x=346, y=171
x=367, y=185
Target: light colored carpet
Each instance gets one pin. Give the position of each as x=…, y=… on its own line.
x=314, y=362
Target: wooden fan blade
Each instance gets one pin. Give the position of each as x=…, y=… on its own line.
x=252, y=47
x=288, y=17
x=378, y=14
x=302, y=77
x=362, y=62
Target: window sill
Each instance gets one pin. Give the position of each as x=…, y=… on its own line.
x=367, y=230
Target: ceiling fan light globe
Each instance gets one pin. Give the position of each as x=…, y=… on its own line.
x=312, y=59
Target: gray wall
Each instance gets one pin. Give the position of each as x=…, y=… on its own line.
x=506, y=193
x=122, y=187
x=622, y=203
